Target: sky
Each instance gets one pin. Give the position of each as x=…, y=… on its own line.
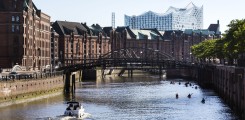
x=100, y=11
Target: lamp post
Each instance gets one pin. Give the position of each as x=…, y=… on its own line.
x=173, y=39
x=141, y=57
x=61, y=58
x=100, y=44
x=192, y=39
x=85, y=48
x=72, y=47
x=183, y=47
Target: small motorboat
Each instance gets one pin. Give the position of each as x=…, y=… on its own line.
x=76, y=110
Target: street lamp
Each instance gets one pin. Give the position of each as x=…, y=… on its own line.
x=72, y=47
x=173, y=38
x=191, y=57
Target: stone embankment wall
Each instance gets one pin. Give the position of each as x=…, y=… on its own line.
x=12, y=92
x=229, y=83
x=187, y=73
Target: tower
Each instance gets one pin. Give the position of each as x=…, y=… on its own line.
x=113, y=20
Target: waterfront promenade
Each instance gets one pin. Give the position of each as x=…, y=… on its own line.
x=33, y=85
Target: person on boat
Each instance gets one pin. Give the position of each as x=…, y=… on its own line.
x=76, y=107
x=177, y=96
x=203, y=100
x=68, y=108
x=189, y=96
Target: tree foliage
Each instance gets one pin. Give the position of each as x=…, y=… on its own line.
x=230, y=46
x=235, y=38
x=207, y=49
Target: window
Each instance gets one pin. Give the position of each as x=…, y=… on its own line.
x=17, y=28
x=13, y=28
x=13, y=18
x=17, y=18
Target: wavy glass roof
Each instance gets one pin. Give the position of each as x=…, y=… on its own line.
x=190, y=17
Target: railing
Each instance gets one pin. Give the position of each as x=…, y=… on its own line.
x=33, y=76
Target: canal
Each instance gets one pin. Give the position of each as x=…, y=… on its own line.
x=138, y=98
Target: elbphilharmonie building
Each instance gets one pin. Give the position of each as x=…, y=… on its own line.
x=190, y=17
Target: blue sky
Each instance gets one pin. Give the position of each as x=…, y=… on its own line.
x=99, y=11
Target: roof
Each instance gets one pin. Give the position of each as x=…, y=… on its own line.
x=66, y=28
x=107, y=30
x=200, y=31
x=130, y=34
x=168, y=35
x=144, y=34
x=214, y=28
x=96, y=29
x=156, y=31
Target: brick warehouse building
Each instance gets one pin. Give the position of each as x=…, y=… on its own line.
x=79, y=43
x=175, y=42
x=25, y=35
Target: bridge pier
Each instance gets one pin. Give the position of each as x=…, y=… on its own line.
x=130, y=73
x=89, y=74
x=160, y=71
x=73, y=85
x=67, y=82
x=80, y=76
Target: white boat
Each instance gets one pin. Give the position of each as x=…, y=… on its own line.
x=75, y=110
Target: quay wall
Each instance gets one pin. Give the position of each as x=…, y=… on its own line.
x=186, y=73
x=17, y=91
x=227, y=81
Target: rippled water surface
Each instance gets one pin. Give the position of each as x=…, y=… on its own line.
x=139, y=98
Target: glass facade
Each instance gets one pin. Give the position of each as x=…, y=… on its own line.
x=190, y=17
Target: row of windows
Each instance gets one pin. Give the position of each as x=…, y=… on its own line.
x=15, y=19
x=40, y=26
x=15, y=28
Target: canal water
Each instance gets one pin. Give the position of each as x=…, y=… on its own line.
x=138, y=98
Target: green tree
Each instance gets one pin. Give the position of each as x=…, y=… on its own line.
x=205, y=50
x=234, y=40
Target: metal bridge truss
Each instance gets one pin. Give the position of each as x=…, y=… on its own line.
x=136, y=58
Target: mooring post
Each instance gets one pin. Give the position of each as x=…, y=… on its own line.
x=67, y=82
x=128, y=72
x=73, y=83
x=80, y=76
x=160, y=71
x=131, y=73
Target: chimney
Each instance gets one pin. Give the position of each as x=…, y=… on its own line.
x=218, y=22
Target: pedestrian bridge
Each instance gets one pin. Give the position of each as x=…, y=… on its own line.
x=125, y=59
x=129, y=58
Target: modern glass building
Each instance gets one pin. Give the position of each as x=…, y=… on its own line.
x=190, y=17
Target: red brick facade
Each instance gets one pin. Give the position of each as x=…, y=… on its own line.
x=175, y=43
x=78, y=44
x=25, y=35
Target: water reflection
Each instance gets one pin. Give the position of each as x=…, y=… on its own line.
x=139, y=98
